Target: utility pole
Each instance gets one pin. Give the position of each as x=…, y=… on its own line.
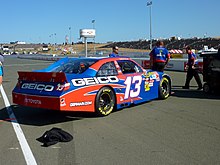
x=150, y=4
x=93, y=22
x=70, y=34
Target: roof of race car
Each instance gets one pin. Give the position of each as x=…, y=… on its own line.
x=101, y=58
x=72, y=65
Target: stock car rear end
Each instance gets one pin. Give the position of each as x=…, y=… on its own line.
x=90, y=85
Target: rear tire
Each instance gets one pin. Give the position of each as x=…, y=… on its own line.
x=105, y=101
x=206, y=88
x=164, y=88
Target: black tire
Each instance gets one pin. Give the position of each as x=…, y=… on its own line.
x=105, y=101
x=206, y=88
x=164, y=88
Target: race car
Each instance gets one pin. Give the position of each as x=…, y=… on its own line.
x=98, y=85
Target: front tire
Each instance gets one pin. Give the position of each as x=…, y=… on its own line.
x=164, y=88
x=105, y=101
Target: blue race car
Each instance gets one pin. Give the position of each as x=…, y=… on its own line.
x=91, y=85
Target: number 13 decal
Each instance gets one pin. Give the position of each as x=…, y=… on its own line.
x=136, y=81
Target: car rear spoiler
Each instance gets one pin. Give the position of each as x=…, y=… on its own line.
x=42, y=76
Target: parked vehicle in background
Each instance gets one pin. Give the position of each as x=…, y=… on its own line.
x=5, y=50
x=45, y=48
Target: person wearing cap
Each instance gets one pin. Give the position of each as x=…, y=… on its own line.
x=192, y=69
x=114, y=52
x=159, y=57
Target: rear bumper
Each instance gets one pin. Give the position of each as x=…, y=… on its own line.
x=52, y=103
x=45, y=102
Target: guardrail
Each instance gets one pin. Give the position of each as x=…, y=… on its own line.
x=174, y=64
x=40, y=57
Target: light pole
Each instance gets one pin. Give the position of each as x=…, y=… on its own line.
x=51, y=39
x=55, y=38
x=93, y=26
x=150, y=4
x=70, y=34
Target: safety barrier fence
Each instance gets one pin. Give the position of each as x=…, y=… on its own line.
x=174, y=64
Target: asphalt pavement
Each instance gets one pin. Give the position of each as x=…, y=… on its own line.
x=183, y=129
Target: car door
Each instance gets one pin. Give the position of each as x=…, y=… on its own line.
x=134, y=81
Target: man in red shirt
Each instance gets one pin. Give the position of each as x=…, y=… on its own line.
x=192, y=69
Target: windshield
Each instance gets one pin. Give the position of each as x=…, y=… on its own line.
x=75, y=66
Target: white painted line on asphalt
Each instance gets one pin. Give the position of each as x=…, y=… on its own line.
x=28, y=155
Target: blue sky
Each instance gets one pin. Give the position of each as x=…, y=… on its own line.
x=115, y=20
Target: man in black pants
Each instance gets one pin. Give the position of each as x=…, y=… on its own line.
x=192, y=69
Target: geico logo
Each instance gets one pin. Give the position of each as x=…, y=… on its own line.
x=94, y=80
x=39, y=87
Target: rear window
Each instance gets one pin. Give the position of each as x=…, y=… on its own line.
x=75, y=66
x=108, y=69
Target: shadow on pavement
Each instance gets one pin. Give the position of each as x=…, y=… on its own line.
x=193, y=93
x=41, y=117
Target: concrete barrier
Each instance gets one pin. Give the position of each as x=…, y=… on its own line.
x=39, y=57
x=174, y=64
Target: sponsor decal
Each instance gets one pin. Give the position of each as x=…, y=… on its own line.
x=121, y=98
x=150, y=77
x=154, y=76
x=62, y=102
x=32, y=101
x=83, y=103
x=94, y=80
x=40, y=87
x=61, y=87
